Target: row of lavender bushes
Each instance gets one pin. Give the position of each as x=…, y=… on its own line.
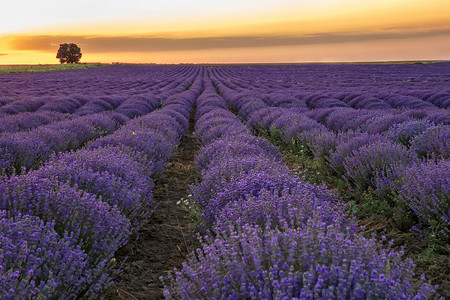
x=418, y=87
x=400, y=157
x=85, y=91
x=28, y=149
x=67, y=122
x=269, y=235
x=62, y=223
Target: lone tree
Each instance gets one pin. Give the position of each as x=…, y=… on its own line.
x=69, y=53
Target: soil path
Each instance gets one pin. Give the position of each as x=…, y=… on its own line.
x=166, y=238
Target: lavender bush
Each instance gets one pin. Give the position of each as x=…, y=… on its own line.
x=121, y=179
x=125, y=163
x=154, y=145
x=98, y=228
x=294, y=206
x=36, y=262
x=28, y=121
x=350, y=141
x=29, y=148
x=313, y=261
x=291, y=126
x=404, y=132
x=426, y=190
x=382, y=123
x=236, y=146
x=362, y=166
x=244, y=177
x=433, y=142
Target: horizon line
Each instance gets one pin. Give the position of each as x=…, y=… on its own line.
x=412, y=61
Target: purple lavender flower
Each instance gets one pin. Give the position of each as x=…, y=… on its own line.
x=426, y=190
x=383, y=123
x=313, y=261
x=98, y=228
x=119, y=176
x=30, y=120
x=404, y=132
x=433, y=142
x=294, y=206
x=251, y=183
x=368, y=160
x=35, y=261
x=349, y=141
x=215, y=177
x=236, y=146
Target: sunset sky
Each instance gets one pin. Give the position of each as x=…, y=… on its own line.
x=226, y=31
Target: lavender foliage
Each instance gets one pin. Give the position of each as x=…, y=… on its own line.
x=313, y=261
x=403, y=133
x=426, y=190
x=433, y=142
x=362, y=165
x=37, y=262
x=99, y=228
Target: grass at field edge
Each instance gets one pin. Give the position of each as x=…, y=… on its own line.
x=7, y=69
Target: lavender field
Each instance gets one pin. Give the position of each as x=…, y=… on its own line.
x=289, y=163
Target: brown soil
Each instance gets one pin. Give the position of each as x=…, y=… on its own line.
x=165, y=239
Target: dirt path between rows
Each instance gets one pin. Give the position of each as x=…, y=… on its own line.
x=166, y=239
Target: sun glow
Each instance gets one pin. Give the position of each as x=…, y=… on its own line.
x=200, y=31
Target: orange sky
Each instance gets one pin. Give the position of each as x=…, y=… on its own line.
x=201, y=31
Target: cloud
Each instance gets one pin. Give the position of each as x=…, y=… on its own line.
x=101, y=44
x=3, y=54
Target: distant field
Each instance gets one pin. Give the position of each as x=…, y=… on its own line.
x=56, y=67
x=43, y=68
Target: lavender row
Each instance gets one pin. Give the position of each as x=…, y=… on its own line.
x=28, y=149
x=372, y=150
x=423, y=137
x=65, y=221
x=315, y=86
x=327, y=110
x=424, y=131
x=272, y=235
x=29, y=92
x=28, y=113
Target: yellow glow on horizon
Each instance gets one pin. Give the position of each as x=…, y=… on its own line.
x=384, y=22
x=429, y=48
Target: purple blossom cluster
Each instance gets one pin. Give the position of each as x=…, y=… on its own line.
x=120, y=175
x=29, y=148
x=66, y=219
x=29, y=120
x=271, y=235
x=403, y=133
x=425, y=188
x=36, y=261
x=348, y=143
x=433, y=142
x=315, y=261
x=94, y=226
x=362, y=166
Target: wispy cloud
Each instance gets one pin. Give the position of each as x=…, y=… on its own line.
x=1, y=54
x=49, y=43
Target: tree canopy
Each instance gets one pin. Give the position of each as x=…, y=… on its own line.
x=69, y=53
